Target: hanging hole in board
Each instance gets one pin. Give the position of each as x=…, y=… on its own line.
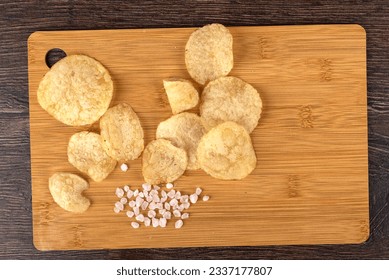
x=53, y=56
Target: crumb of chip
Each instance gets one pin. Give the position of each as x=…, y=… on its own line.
x=182, y=95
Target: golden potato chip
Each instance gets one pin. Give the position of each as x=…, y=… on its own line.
x=163, y=162
x=226, y=152
x=86, y=153
x=66, y=189
x=208, y=53
x=184, y=131
x=76, y=91
x=122, y=133
x=181, y=93
x=230, y=99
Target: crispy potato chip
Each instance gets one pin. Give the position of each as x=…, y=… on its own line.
x=122, y=133
x=76, y=91
x=208, y=53
x=230, y=99
x=66, y=189
x=163, y=162
x=86, y=153
x=184, y=131
x=181, y=93
x=226, y=152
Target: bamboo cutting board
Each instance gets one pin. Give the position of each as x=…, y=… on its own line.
x=310, y=185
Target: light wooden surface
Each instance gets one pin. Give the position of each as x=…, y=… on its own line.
x=311, y=181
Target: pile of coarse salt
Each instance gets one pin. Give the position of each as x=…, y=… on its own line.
x=153, y=206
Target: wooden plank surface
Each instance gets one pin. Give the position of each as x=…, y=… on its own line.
x=310, y=185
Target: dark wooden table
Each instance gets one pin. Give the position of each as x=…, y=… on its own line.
x=20, y=18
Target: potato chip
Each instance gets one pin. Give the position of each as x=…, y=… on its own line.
x=230, y=99
x=76, y=91
x=86, y=153
x=66, y=189
x=181, y=93
x=208, y=53
x=184, y=131
x=226, y=152
x=163, y=162
x=122, y=133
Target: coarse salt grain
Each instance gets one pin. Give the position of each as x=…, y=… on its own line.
x=179, y=224
x=173, y=202
x=126, y=188
x=140, y=218
x=186, y=205
x=205, y=198
x=130, y=193
x=124, y=167
x=146, y=187
x=156, y=187
x=193, y=198
x=136, y=210
x=198, y=191
x=138, y=202
x=151, y=214
x=156, y=198
x=123, y=200
x=116, y=210
x=171, y=194
x=169, y=185
x=152, y=205
x=119, y=206
x=167, y=206
x=132, y=203
x=163, y=199
x=177, y=195
x=155, y=222
x=135, y=225
x=130, y=214
x=119, y=192
x=136, y=192
x=147, y=221
x=163, y=193
x=180, y=208
x=167, y=215
x=149, y=198
x=162, y=222
x=144, y=205
x=185, y=216
x=176, y=213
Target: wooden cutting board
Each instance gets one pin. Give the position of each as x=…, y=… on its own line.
x=310, y=185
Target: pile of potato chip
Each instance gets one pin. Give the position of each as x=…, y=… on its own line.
x=78, y=91
x=218, y=140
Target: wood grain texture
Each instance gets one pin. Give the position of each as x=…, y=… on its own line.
x=310, y=185
x=19, y=19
